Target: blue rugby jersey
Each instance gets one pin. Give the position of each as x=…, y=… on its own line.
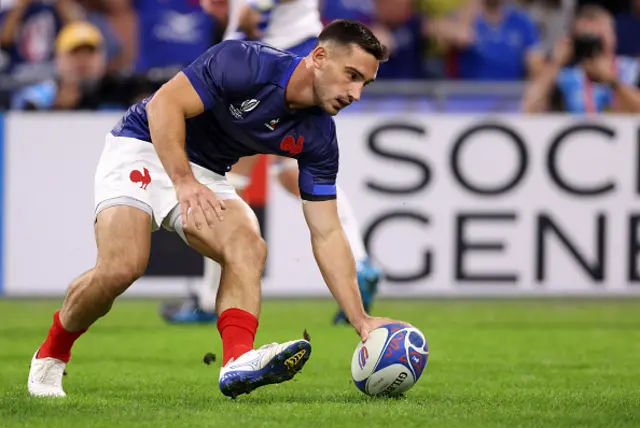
x=242, y=86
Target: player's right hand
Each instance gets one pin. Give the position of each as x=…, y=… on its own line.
x=369, y=323
x=200, y=202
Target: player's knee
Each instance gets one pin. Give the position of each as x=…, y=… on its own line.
x=126, y=275
x=119, y=275
x=247, y=249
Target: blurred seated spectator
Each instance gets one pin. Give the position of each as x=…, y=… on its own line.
x=400, y=29
x=27, y=34
x=81, y=82
x=501, y=43
x=171, y=34
x=613, y=6
x=585, y=75
x=359, y=10
x=628, y=30
x=219, y=11
x=98, y=13
x=448, y=14
x=552, y=18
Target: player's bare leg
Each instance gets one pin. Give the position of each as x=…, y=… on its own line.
x=237, y=245
x=368, y=275
x=123, y=237
x=200, y=307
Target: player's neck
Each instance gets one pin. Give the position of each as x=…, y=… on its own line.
x=299, y=91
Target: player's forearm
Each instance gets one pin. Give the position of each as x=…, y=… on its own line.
x=167, y=128
x=338, y=268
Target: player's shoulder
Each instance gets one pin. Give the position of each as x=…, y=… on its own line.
x=266, y=62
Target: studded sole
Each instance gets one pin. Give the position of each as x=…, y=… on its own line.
x=281, y=368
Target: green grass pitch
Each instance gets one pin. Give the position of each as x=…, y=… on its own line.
x=511, y=363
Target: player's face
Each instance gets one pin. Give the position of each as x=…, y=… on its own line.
x=341, y=73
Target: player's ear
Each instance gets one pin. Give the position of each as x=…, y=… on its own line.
x=319, y=55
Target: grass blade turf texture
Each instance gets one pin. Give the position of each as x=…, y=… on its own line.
x=539, y=363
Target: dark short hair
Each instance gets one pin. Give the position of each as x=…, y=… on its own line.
x=592, y=11
x=347, y=32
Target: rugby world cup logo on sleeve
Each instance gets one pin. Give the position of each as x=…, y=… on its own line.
x=245, y=107
x=249, y=105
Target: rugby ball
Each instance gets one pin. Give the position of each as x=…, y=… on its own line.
x=391, y=361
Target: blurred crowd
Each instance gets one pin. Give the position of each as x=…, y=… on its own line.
x=106, y=54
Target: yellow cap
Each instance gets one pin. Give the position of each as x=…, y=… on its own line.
x=78, y=34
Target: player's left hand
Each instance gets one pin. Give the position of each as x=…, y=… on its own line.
x=200, y=202
x=370, y=323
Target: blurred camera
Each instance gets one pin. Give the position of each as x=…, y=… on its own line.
x=586, y=46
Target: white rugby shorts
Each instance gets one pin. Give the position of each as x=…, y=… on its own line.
x=130, y=173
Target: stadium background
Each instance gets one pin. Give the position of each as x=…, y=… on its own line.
x=459, y=190
x=418, y=151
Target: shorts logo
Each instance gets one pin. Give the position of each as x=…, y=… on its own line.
x=138, y=177
x=290, y=145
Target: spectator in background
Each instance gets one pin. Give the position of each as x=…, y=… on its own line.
x=400, y=29
x=97, y=12
x=613, y=6
x=628, y=31
x=171, y=34
x=122, y=19
x=359, y=10
x=552, y=18
x=443, y=16
x=81, y=81
x=219, y=11
x=28, y=31
x=502, y=43
x=585, y=75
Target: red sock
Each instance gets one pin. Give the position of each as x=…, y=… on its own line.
x=237, y=329
x=59, y=341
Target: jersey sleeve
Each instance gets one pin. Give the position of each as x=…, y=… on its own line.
x=318, y=172
x=223, y=71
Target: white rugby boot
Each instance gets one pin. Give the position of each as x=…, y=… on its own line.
x=45, y=377
x=269, y=364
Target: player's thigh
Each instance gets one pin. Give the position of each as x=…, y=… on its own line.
x=245, y=165
x=123, y=236
x=235, y=239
